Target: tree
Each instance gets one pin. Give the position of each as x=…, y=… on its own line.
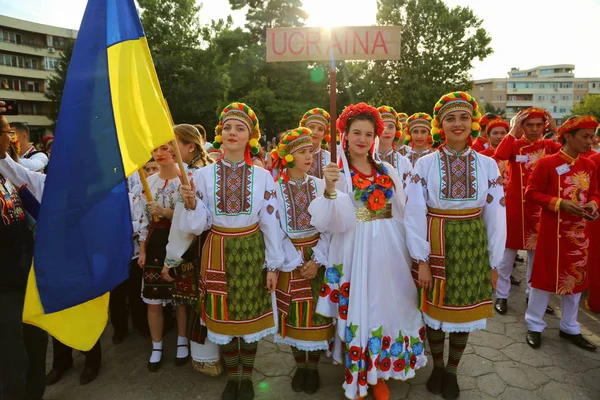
x=56, y=83
x=489, y=108
x=439, y=45
x=590, y=105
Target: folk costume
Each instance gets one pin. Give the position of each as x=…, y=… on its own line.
x=321, y=157
x=399, y=146
x=455, y=219
x=560, y=265
x=593, y=300
x=522, y=216
x=489, y=150
x=481, y=144
x=417, y=120
x=391, y=156
x=307, y=332
x=367, y=285
x=236, y=202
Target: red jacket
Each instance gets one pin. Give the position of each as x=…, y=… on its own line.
x=560, y=264
x=522, y=216
x=594, y=260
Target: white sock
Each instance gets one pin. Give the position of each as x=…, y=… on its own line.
x=156, y=355
x=182, y=347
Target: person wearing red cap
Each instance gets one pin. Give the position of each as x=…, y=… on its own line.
x=593, y=300
x=495, y=130
x=482, y=142
x=565, y=186
x=522, y=148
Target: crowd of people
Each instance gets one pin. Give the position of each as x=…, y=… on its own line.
x=399, y=241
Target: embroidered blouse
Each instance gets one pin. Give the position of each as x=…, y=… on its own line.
x=413, y=155
x=164, y=192
x=320, y=159
x=400, y=163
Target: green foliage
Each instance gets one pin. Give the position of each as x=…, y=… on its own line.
x=590, y=105
x=56, y=83
x=489, y=108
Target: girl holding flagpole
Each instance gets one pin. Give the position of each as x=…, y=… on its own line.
x=235, y=201
x=317, y=120
x=368, y=284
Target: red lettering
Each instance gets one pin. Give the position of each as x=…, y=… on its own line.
x=290, y=43
x=376, y=44
x=313, y=42
x=365, y=45
x=334, y=43
x=279, y=53
x=346, y=43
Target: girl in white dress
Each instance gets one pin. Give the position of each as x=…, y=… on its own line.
x=368, y=285
x=317, y=120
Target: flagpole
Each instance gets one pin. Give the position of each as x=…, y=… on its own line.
x=184, y=178
x=147, y=190
x=332, y=106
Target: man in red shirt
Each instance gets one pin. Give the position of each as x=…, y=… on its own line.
x=565, y=186
x=522, y=148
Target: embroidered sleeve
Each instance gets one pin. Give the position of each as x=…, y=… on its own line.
x=269, y=221
x=494, y=213
x=415, y=217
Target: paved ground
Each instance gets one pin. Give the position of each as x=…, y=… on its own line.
x=497, y=364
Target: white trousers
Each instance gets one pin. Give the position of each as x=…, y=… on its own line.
x=505, y=270
x=538, y=301
x=207, y=352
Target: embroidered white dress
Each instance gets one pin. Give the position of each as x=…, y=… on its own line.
x=232, y=195
x=413, y=155
x=320, y=159
x=398, y=161
x=455, y=182
x=369, y=289
x=314, y=332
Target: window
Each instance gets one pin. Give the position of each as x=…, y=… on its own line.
x=16, y=84
x=565, y=97
x=11, y=61
x=4, y=84
x=580, y=86
x=481, y=88
x=565, y=85
x=594, y=84
x=31, y=63
x=33, y=86
x=500, y=97
x=562, y=110
x=499, y=86
x=481, y=99
x=579, y=98
x=542, y=85
x=49, y=41
x=541, y=98
x=512, y=98
x=50, y=63
x=546, y=71
x=555, y=109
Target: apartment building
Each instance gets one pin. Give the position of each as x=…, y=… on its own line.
x=551, y=87
x=29, y=53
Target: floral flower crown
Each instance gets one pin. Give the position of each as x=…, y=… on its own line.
x=242, y=112
x=320, y=116
x=291, y=141
x=353, y=110
x=417, y=119
x=389, y=114
x=577, y=122
x=452, y=102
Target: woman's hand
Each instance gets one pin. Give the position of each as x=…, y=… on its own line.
x=494, y=278
x=271, y=281
x=331, y=173
x=309, y=270
x=425, y=275
x=188, y=195
x=142, y=260
x=155, y=209
x=165, y=275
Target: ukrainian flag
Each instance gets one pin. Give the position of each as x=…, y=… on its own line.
x=111, y=116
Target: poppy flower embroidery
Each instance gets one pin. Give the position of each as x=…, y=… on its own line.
x=343, y=312
x=362, y=378
x=354, y=353
x=345, y=289
x=385, y=364
x=386, y=343
x=413, y=361
x=325, y=290
x=422, y=333
x=349, y=377
x=360, y=182
x=377, y=200
x=399, y=365
x=384, y=181
x=334, y=296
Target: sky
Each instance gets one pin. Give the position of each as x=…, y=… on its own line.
x=525, y=33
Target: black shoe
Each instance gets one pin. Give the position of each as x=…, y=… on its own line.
x=313, y=383
x=534, y=339
x=118, y=337
x=519, y=258
x=88, y=374
x=434, y=383
x=155, y=366
x=246, y=390
x=514, y=281
x=549, y=310
x=450, y=389
x=55, y=374
x=500, y=306
x=577, y=340
x=299, y=380
x=182, y=361
x=231, y=391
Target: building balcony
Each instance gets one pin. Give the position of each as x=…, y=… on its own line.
x=519, y=103
x=22, y=95
x=29, y=49
x=25, y=72
x=31, y=120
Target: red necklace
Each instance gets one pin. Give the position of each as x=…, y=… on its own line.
x=360, y=174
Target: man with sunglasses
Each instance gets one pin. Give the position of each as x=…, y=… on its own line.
x=22, y=346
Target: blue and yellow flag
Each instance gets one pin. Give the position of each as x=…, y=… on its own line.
x=111, y=116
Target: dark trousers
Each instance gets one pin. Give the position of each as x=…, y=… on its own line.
x=22, y=352
x=63, y=356
x=130, y=290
